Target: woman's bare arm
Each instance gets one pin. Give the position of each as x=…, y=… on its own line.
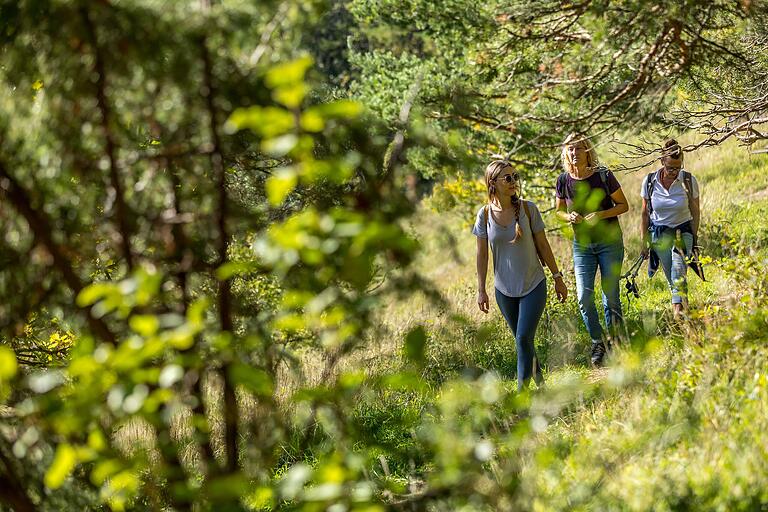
x=482, y=273
x=545, y=252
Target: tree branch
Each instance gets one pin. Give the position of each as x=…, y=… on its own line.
x=14, y=193
x=225, y=290
x=12, y=489
x=109, y=142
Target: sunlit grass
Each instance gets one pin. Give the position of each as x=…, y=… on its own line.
x=676, y=434
x=667, y=425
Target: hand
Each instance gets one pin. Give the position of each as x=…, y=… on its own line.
x=482, y=301
x=646, y=248
x=560, y=289
x=575, y=218
x=592, y=217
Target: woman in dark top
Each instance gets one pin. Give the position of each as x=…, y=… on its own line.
x=589, y=197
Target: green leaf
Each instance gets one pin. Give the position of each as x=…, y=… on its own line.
x=404, y=381
x=255, y=380
x=104, y=469
x=260, y=498
x=64, y=462
x=227, y=487
x=290, y=322
x=336, y=170
x=264, y=121
x=145, y=325
x=312, y=121
x=8, y=363
x=415, y=345
x=120, y=488
x=91, y=294
x=148, y=284
x=289, y=73
x=279, y=146
x=181, y=338
x=342, y=109
x=96, y=440
x=235, y=268
x=280, y=184
x=290, y=95
x=352, y=379
x=196, y=312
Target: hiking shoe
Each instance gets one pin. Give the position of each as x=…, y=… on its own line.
x=598, y=353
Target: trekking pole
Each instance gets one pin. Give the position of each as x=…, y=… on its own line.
x=631, y=277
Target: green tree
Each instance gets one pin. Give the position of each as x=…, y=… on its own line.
x=188, y=247
x=513, y=78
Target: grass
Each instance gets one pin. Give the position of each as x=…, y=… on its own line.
x=681, y=435
x=675, y=423
x=684, y=439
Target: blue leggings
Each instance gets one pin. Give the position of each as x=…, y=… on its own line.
x=522, y=315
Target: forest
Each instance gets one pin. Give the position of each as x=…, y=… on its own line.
x=243, y=257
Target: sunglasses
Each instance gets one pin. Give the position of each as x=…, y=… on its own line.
x=509, y=178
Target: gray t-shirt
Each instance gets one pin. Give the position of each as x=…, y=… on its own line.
x=516, y=267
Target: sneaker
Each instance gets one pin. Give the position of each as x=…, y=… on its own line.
x=598, y=353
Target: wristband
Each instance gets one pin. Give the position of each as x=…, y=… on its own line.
x=556, y=275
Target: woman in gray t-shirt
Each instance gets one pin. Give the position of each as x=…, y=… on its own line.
x=514, y=230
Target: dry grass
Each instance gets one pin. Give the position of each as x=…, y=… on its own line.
x=447, y=258
x=447, y=261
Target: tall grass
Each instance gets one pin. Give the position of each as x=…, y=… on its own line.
x=681, y=425
x=730, y=180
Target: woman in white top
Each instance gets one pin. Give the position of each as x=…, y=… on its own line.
x=670, y=221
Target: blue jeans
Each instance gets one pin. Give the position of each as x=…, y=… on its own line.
x=587, y=258
x=673, y=263
x=522, y=315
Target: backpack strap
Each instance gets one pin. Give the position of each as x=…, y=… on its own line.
x=603, y=173
x=527, y=214
x=530, y=224
x=487, y=212
x=688, y=186
x=650, y=182
x=561, y=182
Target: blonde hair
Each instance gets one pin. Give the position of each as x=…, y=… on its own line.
x=492, y=172
x=578, y=139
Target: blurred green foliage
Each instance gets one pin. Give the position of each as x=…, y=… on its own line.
x=199, y=227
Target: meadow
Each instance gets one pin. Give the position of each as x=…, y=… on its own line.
x=220, y=291
x=670, y=424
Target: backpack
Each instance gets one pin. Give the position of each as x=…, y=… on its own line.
x=651, y=182
x=601, y=171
